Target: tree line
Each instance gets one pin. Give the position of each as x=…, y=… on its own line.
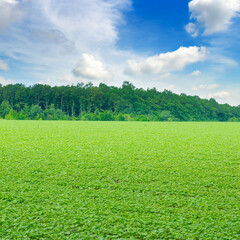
x=108, y=103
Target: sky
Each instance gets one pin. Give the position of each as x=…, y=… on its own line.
x=185, y=46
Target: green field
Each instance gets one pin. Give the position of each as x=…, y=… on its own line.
x=119, y=180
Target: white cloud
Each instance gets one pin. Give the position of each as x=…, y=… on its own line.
x=90, y=68
x=9, y=13
x=4, y=81
x=83, y=21
x=195, y=73
x=192, y=29
x=213, y=15
x=167, y=62
x=206, y=87
x=3, y=66
x=221, y=95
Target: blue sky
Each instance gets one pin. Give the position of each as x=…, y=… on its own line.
x=187, y=46
x=156, y=26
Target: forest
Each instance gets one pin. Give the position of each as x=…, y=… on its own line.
x=108, y=103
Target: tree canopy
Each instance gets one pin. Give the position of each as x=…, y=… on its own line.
x=88, y=102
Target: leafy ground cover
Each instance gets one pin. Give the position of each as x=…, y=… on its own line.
x=119, y=180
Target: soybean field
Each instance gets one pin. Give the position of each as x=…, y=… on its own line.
x=119, y=180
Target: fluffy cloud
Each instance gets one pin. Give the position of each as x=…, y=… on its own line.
x=213, y=15
x=3, y=65
x=221, y=95
x=90, y=68
x=9, y=13
x=167, y=62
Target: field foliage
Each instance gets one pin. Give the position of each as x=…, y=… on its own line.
x=119, y=180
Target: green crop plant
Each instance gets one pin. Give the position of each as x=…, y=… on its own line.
x=119, y=180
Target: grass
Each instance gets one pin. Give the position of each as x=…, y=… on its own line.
x=119, y=180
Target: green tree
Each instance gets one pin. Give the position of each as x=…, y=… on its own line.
x=35, y=112
x=5, y=109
